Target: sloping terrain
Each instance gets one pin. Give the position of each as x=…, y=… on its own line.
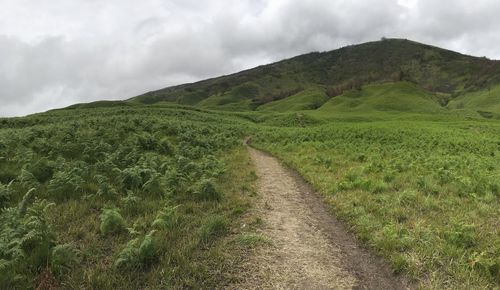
x=401, y=96
x=433, y=69
x=486, y=101
x=305, y=100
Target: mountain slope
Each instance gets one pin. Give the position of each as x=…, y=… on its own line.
x=305, y=100
x=400, y=96
x=486, y=100
x=434, y=69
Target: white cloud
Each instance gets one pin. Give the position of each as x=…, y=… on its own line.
x=58, y=52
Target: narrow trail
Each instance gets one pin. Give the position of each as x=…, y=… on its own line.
x=309, y=249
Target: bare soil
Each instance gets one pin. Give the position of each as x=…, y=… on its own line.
x=309, y=248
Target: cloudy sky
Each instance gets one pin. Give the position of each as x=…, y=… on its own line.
x=54, y=53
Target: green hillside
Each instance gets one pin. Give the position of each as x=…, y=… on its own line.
x=438, y=71
x=401, y=96
x=305, y=100
x=485, y=101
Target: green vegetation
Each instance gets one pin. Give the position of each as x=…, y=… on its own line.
x=401, y=96
x=401, y=139
x=486, y=102
x=125, y=197
x=423, y=194
x=304, y=100
x=133, y=193
x=440, y=72
x=252, y=239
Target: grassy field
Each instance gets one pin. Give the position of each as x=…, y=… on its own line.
x=423, y=194
x=155, y=196
x=122, y=198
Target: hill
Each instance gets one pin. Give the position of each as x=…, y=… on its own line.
x=486, y=102
x=401, y=96
x=443, y=73
x=305, y=100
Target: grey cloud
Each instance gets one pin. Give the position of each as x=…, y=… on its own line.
x=55, y=53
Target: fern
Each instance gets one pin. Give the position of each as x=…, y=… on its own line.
x=166, y=218
x=137, y=254
x=105, y=189
x=212, y=166
x=146, y=142
x=42, y=170
x=105, y=166
x=112, y=222
x=26, y=240
x=128, y=255
x=131, y=178
x=5, y=194
x=154, y=185
x=131, y=201
x=148, y=250
x=205, y=190
x=63, y=258
x=23, y=205
x=27, y=179
x=140, y=226
x=165, y=147
x=66, y=184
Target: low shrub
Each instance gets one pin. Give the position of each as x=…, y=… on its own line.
x=131, y=201
x=63, y=258
x=138, y=254
x=165, y=147
x=112, y=222
x=105, y=189
x=166, y=218
x=5, y=194
x=28, y=180
x=154, y=185
x=26, y=242
x=131, y=178
x=206, y=190
x=43, y=169
x=66, y=185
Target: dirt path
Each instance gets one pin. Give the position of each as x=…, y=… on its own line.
x=310, y=248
